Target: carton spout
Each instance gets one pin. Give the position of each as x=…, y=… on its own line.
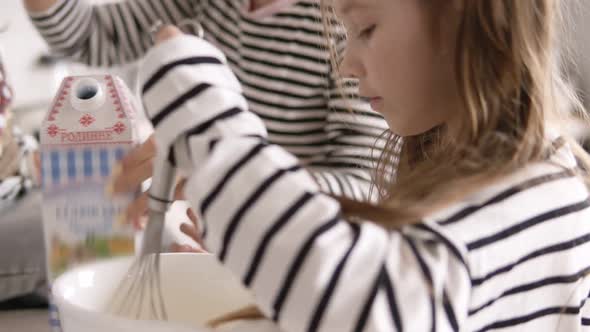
x=88, y=95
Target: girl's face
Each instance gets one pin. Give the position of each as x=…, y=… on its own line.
x=403, y=59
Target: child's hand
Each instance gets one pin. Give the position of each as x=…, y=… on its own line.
x=192, y=231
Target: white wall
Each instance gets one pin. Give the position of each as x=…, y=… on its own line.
x=21, y=45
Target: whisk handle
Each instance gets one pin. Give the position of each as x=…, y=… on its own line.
x=162, y=187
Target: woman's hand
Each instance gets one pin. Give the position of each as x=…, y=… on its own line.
x=166, y=32
x=128, y=175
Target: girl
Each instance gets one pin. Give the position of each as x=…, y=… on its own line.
x=486, y=224
x=276, y=49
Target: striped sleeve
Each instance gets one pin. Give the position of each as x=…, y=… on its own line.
x=266, y=219
x=107, y=34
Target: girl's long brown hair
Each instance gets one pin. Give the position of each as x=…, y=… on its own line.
x=511, y=88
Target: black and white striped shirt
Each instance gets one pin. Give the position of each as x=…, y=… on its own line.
x=515, y=256
x=281, y=61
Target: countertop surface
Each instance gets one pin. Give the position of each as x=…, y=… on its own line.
x=36, y=320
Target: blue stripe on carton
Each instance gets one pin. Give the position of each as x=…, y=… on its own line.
x=104, y=163
x=87, y=157
x=119, y=154
x=55, y=169
x=76, y=164
x=71, y=164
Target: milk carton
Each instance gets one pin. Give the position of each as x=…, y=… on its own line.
x=90, y=126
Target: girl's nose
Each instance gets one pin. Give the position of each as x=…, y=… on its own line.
x=350, y=66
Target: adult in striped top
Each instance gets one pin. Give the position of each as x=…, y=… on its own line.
x=489, y=233
x=277, y=52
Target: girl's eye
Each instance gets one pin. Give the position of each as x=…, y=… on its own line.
x=365, y=34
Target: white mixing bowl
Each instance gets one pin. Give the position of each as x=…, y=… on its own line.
x=196, y=288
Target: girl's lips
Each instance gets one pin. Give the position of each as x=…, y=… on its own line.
x=376, y=102
x=372, y=100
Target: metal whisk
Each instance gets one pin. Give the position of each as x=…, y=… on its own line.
x=139, y=294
